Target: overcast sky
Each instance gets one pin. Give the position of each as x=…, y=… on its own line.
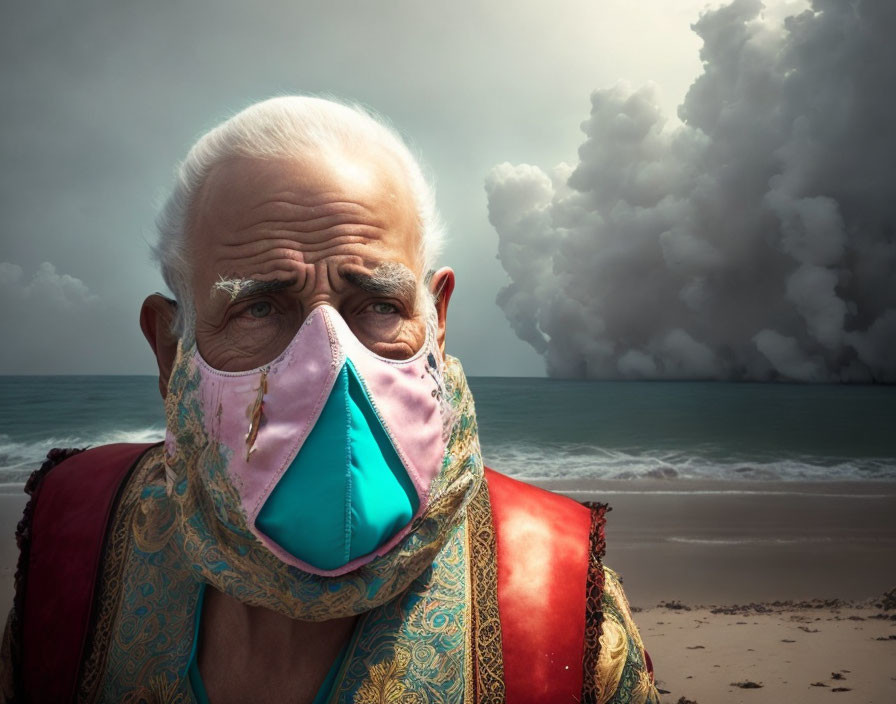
x=101, y=99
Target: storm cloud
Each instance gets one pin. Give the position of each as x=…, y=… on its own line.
x=755, y=239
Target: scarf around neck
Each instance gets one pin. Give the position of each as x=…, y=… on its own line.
x=212, y=532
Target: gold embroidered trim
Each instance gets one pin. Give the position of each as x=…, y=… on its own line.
x=614, y=590
x=386, y=682
x=592, y=688
x=469, y=665
x=93, y=666
x=622, y=670
x=614, y=653
x=488, y=654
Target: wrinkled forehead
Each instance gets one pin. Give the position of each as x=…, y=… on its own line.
x=360, y=196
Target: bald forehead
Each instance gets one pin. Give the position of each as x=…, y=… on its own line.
x=316, y=192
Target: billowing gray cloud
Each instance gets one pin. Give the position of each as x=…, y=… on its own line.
x=756, y=240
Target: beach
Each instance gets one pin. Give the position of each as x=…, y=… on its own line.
x=731, y=542
x=703, y=564
x=799, y=654
x=11, y=507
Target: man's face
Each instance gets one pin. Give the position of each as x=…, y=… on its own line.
x=271, y=240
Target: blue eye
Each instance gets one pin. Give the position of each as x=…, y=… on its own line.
x=260, y=309
x=384, y=308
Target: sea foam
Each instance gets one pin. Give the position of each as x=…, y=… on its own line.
x=540, y=463
x=19, y=459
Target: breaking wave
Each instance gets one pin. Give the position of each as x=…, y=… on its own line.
x=535, y=463
x=19, y=459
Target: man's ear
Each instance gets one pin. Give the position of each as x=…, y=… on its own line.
x=442, y=286
x=156, y=317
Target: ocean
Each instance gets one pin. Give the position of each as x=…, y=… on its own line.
x=539, y=429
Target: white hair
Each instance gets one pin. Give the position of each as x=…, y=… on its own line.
x=281, y=127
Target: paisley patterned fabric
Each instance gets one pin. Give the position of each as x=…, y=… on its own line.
x=216, y=542
x=180, y=526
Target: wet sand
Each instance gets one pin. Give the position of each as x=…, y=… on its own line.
x=736, y=542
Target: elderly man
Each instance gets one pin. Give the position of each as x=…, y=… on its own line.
x=318, y=525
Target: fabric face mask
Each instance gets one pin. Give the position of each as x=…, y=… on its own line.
x=332, y=449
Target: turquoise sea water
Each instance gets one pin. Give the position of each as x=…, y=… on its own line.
x=540, y=428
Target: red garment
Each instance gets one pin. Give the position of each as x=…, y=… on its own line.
x=62, y=551
x=544, y=544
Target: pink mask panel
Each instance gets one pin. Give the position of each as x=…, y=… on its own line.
x=264, y=416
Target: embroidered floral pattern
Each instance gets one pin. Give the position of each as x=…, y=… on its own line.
x=415, y=600
x=385, y=682
x=622, y=674
x=430, y=623
x=218, y=545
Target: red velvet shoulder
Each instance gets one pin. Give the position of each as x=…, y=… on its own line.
x=543, y=550
x=62, y=539
x=536, y=498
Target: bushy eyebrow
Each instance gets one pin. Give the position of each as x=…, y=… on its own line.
x=387, y=279
x=239, y=289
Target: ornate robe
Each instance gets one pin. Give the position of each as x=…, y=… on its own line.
x=516, y=606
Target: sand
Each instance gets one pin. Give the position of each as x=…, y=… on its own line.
x=11, y=507
x=719, y=544
x=796, y=655
x=714, y=544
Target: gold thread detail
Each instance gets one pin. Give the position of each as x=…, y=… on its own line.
x=256, y=413
x=110, y=581
x=593, y=689
x=488, y=654
x=385, y=682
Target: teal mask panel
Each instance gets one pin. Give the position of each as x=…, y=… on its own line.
x=347, y=492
